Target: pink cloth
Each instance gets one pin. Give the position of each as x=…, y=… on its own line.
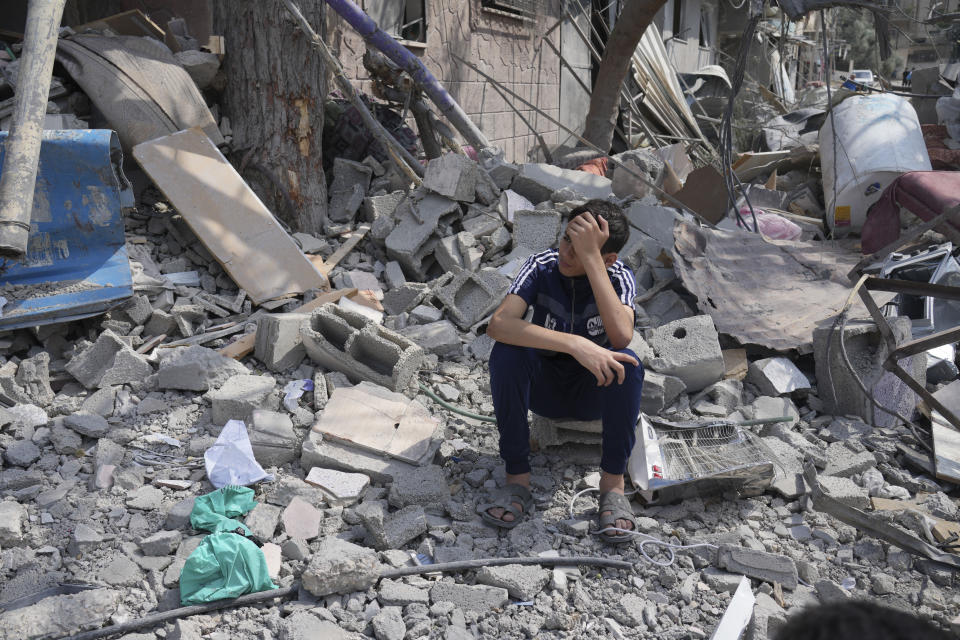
x=926, y=194
x=771, y=225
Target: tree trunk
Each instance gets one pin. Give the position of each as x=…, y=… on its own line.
x=634, y=19
x=275, y=88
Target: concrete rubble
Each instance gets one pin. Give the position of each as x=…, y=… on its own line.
x=105, y=422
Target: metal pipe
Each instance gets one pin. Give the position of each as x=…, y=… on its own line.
x=377, y=38
x=401, y=157
x=19, y=171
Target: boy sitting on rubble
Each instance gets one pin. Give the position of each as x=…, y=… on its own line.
x=570, y=361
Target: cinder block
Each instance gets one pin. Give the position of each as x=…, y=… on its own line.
x=471, y=296
x=279, y=345
x=273, y=438
x=538, y=229
x=458, y=252
x=377, y=206
x=659, y=392
x=688, y=349
x=240, y=396
x=109, y=361
x=351, y=343
x=439, y=337
x=350, y=182
x=769, y=567
x=452, y=175
x=537, y=182
x=839, y=392
x=405, y=297
x=417, y=219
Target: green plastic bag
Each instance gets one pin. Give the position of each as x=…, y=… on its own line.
x=215, y=511
x=225, y=565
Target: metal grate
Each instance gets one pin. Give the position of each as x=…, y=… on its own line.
x=698, y=452
x=525, y=8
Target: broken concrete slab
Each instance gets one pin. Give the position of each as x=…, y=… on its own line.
x=341, y=488
x=846, y=491
x=479, y=598
x=340, y=567
x=426, y=486
x=279, y=345
x=537, y=229
x=239, y=396
x=392, y=530
x=688, y=349
x=844, y=462
x=348, y=189
x=162, y=543
x=61, y=616
x=320, y=452
x=453, y=176
x=417, y=220
x=90, y=425
x=361, y=349
x=537, y=182
x=405, y=297
x=776, y=376
x=196, y=368
x=378, y=420
x=761, y=565
x=375, y=207
x=866, y=350
x=273, y=438
x=301, y=520
x=109, y=361
x=12, y=517
x=439, y=337
x=522, y=582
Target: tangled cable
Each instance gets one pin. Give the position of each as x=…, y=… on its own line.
x=730, y=179
x=669, y=547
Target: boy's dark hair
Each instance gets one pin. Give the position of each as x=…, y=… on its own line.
x=858, y=620
x=613, y=214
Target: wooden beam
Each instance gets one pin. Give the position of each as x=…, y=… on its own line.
x=355, y=237
x=244, y=345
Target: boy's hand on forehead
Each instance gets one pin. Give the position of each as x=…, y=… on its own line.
x=587, y=233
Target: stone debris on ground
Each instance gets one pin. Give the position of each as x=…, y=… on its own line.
x=103, y=434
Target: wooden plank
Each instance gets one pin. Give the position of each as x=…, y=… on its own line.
x=734, y=364
x=942, y=529
x=345, y=248
x=244, y=345
x=227, y=216
x=128, y=23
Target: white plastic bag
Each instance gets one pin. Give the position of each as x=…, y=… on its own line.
x=230, y=460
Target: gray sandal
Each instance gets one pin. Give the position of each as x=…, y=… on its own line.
x=619, y=509
x=504, y=499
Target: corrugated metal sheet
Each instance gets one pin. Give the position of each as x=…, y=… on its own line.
x=76, y=263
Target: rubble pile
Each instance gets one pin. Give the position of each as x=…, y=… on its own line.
x=110, y=424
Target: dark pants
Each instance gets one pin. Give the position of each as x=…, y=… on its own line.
x=522, y=379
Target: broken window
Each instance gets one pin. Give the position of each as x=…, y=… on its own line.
x=678, y=29
x=405, y=20
x=705, y=38
x=522, y=8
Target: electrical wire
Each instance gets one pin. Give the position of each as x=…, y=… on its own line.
x=668, y=547
x=451, y=407
x=730, y=179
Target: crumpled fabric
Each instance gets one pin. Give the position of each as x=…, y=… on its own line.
x=771, y=225
x=215, y=511
x=225, y=565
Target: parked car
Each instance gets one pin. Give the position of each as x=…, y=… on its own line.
x=864, y=77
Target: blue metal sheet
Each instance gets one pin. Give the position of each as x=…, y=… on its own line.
x=76, y=263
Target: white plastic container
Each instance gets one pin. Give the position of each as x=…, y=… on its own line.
x=878, y=139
